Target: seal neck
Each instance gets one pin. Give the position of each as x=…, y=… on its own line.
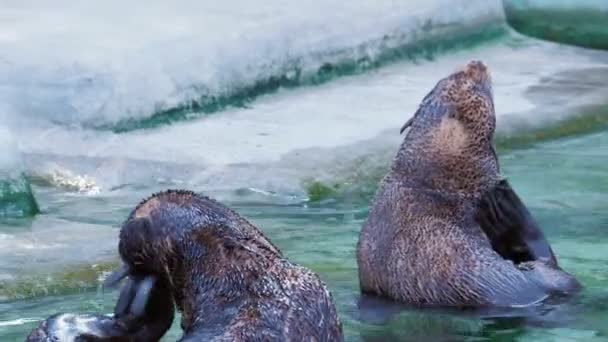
x=217, y=275
x=463, y=168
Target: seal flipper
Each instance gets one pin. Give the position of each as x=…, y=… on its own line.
x=145, y=307
x=135, y=294
x=555, y=280
x=142, y=296
x=115, y=277
x=125, y=298
x=511, y=229
x=71, y=328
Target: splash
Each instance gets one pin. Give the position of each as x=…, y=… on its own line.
x=57, y=176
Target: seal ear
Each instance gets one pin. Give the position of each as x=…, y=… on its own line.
x=407, y=124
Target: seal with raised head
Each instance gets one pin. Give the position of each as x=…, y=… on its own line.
x=444, y=228
x=227, y=279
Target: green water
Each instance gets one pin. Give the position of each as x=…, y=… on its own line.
x=16, y=197
x=585, y=26
x=563, y=181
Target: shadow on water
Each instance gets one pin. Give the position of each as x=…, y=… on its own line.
x=390, y=321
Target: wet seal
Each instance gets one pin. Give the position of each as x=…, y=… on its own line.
x=444, y=228
x=227, y=279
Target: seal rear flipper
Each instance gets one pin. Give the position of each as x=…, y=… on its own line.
x=72, y=327
x=555, y=280
x=511, y=229
x=502, y=284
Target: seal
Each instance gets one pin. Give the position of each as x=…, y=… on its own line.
x=226, y=278
x=144, y=312
x=444, y=228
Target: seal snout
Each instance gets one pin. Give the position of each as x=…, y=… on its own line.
x=476, y=71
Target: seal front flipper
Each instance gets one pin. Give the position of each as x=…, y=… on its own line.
x=134, y=297
x=145, y=307
x=554, y=280
x=511, y=229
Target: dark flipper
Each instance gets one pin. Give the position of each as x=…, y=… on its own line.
x=555, y=280
x=145, y=307
x=115, y=277
x=125, y=298
x=511, y=229
x=142, y=296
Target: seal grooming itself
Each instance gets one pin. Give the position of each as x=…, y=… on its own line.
x=144, y=312
x=444, y=228
x=227, y=279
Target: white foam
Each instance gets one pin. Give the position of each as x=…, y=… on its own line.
x=51, y=243
x=61, y=177
x=100, y=62
x=10, y=160
x=18, y=321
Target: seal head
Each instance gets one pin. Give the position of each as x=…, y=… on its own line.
x=449, y=146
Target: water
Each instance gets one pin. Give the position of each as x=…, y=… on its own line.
x=559, y=20
x=289, y=114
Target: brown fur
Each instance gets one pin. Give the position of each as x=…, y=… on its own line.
x=421, y=243
x=228, y=280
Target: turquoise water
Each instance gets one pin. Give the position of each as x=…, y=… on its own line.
x=96, y=127
x=562, y=181
x=559, y=20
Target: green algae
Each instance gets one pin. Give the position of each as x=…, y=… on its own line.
x=594, y=120
x=77, y=279
x=581, y=27
x=318, y=191
x=349, y=62
x=359, y=186
x=17, y=198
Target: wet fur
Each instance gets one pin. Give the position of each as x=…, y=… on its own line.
x=228, y=280
x=422, y=243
